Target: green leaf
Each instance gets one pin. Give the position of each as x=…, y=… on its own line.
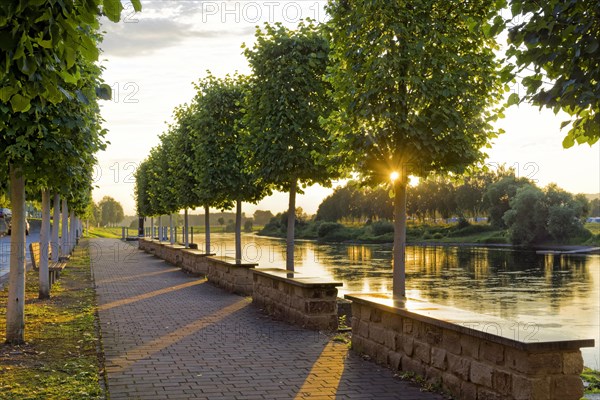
x=112, y=9
x=564, y=123
x=6, y=92
x=104, y=92
x=568, y=142
x=513, y=99
x=20, y=103
x=137, y=5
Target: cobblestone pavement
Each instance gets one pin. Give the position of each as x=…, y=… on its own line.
x=169, y=335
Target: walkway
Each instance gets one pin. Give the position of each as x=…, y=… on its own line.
x=168, y=335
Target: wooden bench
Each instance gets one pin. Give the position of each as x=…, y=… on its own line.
x=54, y=268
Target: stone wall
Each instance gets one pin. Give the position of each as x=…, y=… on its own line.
x=195, y=261
x=470, y=364
x=234, y=277
x=304, y=301
x=190, y=260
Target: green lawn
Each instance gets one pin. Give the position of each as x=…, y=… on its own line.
x=60, y=358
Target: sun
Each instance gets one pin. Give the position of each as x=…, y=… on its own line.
x=394, y=175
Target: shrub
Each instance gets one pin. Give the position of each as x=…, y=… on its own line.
x=382, y=227
x=327, y=228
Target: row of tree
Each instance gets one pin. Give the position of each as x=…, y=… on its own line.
x=482, y=194
x=50, y=124
x=531, y=215
x=383, y=89
x=107, y=212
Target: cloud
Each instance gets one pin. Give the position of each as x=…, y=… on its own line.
x=162, y=24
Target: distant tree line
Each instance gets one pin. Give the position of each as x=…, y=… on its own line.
x=530, y=214
x=107, y=212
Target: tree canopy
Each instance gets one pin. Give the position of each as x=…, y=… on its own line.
x=416, y=85
x=556, y=46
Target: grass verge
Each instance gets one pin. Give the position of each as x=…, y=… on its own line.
x=108, y=233
x=60, y=358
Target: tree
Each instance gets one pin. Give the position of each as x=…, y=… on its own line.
x=560, y=41
x=415, y=85
x=526, y=219
x=262, y=217
x=45, y=48
x=111, y=211
x=595, y=208
x=182, y=161
x=287, y=97
x=498, y=195
x=218, y=162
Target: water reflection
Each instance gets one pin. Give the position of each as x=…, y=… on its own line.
x=561, y=292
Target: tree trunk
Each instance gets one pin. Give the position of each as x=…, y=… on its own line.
x=291, y=222
x=72, y=231
x=65, y=229
x=207, y=228
x=44, y=291
x=238, y=232
x=171, y=231
x=15, y=309
x=55, y=244
x=186, y=227
x=160, y=232
x=152, y=228
x=399, y=284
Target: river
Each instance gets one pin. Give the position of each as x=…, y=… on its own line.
x=530, y=292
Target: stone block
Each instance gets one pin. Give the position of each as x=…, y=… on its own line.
x=422, y=352
x=377, y=333
x=320, y=307
x=394, y=360
x=392, y=321
x=354, y=323
x=433, y=375
x=459, y=366
x=501, y=381
x=481, y=374
x=468, y=391
x=390, y=339
x=489, y=394
x=433, y=334
x=566, y=387
x=408, y=345
x=527, y=388
x=438, y=358
x=492, y=352
x=363, y=329
x=451, y=383
x=412, y=365
x=408, y=326
x=356, y=310
x=572, y=363
x=451, y=341
x=470, y=346
x=381, y=354
x=375, y=315
x=540, y=364
x=365, y=312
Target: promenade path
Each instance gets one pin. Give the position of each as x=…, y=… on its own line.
x=169, y=335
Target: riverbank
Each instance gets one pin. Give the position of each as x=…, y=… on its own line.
x=381, y=232
x=61, y=356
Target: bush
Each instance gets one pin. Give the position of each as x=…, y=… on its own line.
x=382, y=227
x=248, y=225
x=438, y=235
x=326, y=228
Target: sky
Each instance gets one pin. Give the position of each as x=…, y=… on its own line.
x=152, y=58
